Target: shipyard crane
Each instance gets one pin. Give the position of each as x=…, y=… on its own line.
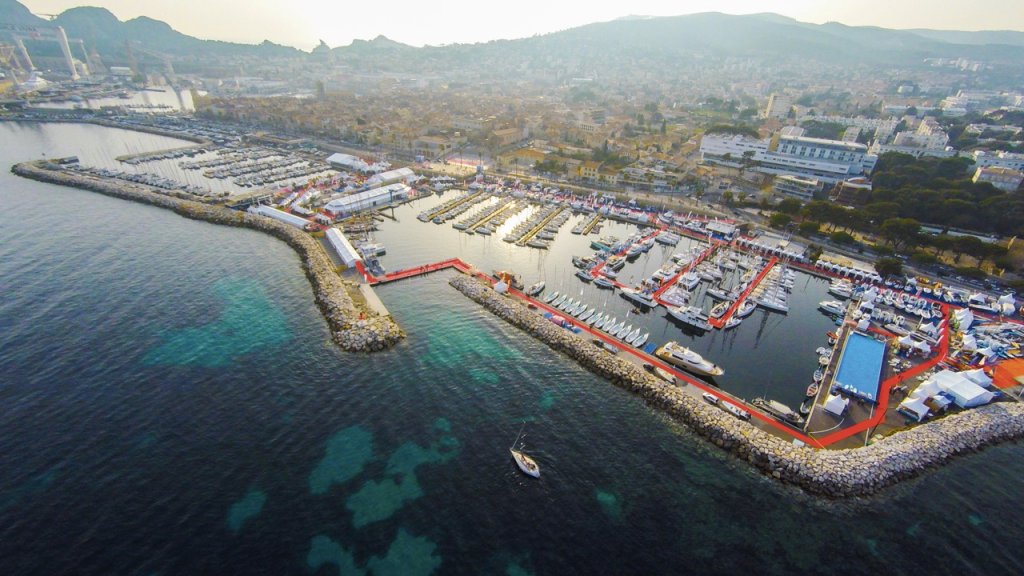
x=131, y=47
x=22, y=32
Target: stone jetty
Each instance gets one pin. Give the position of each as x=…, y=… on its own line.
x=354, y=327
x=826, y=472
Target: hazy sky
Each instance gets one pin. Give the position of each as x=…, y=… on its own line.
x=302, y=23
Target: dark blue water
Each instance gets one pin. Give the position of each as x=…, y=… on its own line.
x=171, y=404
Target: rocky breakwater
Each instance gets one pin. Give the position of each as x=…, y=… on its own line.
x=831, y=473
x=354, y=327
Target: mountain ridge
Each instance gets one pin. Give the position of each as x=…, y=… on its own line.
x=658, y=39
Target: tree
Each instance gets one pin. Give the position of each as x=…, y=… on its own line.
x=900, y=232
x=789, y=206
x=779, y=220
x=969, y=245
x=809, y=228
x=842, y=237
x=888, y=266
x=727, y=197
x=923, y=258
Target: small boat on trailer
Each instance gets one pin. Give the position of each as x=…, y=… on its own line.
x=660, y=373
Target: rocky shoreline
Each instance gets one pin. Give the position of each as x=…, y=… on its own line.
x=831, y=473
x=354, y=327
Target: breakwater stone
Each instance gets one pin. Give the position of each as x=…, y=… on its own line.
x=355, y=328
x=826, y=472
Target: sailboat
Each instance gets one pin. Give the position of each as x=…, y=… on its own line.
x=526, y=464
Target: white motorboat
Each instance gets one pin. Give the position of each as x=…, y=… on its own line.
x=603, y=282
x=639, y=297
x=719, y=310
x=691, y=316
x=746, y=308
x=642, y=339
x=833, y=307
x=535, y=289
x=687, y=359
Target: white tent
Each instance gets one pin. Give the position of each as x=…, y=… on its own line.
x=915, y=408
x=1008, y=299
x=970, y=343
x=967, y=394
x=864, y=324
x=906, y=341
x=923, y=347
x=501, y=287
x=979, y=377
x=836, y=404
x=964, y=318
x=925, y=389
x=929, y=328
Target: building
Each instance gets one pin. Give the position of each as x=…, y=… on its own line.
x=508, y=136
x=353, y=203
x=1004, y=179
x=797, y=187
x=280, y=216
x=348, y=254
x=829, y=161
x=853, y=192
x=929, y=139
x=778, y=107
x=347, y=162
x=403, y=175
x=1009, y=160
x=590, y=170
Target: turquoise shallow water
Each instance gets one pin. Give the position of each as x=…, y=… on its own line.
x=275, y=453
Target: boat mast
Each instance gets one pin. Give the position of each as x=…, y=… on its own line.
x=518, y=435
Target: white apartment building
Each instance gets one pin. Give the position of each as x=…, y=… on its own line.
x=1009, y=160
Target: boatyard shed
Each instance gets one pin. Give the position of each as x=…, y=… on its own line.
x=279, y=215
x=365, y=200
x=342, y=247
x=347, y=162
x=403, y=175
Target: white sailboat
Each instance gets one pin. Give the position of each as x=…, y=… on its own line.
x=526, y=464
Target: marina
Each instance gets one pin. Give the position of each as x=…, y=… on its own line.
x=733, y=280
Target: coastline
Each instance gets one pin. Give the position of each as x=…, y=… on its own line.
x=354, y=328
x=830, y=473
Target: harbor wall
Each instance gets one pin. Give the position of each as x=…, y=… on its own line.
x=354, y=327
x=111, y=124
x=826, y=472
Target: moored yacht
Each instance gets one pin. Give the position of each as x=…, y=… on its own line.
x=687, y=359
x=691, y=316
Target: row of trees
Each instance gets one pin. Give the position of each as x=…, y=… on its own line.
x=940, y=191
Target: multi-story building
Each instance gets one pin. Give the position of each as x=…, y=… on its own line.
x=1005, y=179
x=826, y=160
x=778, y=106
x=797, y=186
x=1000, y=159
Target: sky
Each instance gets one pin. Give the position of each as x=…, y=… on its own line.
x=303, y=23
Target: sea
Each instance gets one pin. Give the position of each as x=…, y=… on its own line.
x=171, y=403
